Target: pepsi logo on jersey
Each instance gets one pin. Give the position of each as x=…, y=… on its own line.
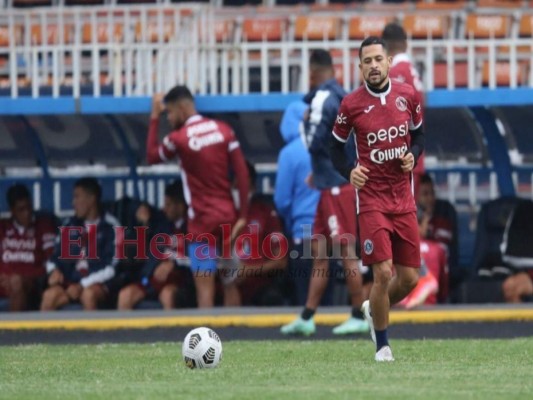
x=387, y=134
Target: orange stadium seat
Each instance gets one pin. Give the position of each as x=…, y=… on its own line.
x=361, y=27
x=499, y=3
x=486, y=26
x=526, y=25
x=256, y=30
x=503, y=73
x=224, y=30
x=440, y=72
x=422, y=26
x=152, y=31
x=52, y=34
x=102, y=32
x=316, y=27
x=4, y=36
x=441, y=5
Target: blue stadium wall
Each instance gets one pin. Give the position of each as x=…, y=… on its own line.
x=115, y=130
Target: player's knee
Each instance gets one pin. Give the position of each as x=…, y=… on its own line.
x=167, y=297
x=509, y=288
x=411, y=280
x=382, y=275
x=16, y=284
x=89, y=297
x=125, y=299
x=49, y=298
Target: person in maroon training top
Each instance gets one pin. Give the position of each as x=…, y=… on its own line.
x=207, y=151
x=403, y=70
x=26, y=243
x=386, y=118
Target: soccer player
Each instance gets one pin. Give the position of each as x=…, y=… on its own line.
x=295, y=200
x=403, y=70
x=207, y=151
x=26, y=243
x=84, y=273
x=386, y=118
x=335, y=217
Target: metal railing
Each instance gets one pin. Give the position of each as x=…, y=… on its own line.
x=139, y=50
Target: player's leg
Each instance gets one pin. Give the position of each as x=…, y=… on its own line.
x=319, y=276
x=406, y=256
x=129, y=296
x=376, y=249
x=203, y=266
x=232, y=295
x=92, y=296
x=167, y=296
x=516, y=286
x=53, y=298
x=354, y=281
x=19, y=288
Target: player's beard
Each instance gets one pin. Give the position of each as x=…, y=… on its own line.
x=379, y=83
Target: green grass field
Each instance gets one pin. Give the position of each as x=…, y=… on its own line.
x=429, y=369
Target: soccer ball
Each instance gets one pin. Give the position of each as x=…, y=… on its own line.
x=202, y=348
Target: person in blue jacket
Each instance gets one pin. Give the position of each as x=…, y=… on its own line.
x=295, y=200
x=334, y=230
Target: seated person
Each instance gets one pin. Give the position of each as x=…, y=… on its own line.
x=26, y=243
x=249, y=277
x=83, y=261
x=160, y=278
x=519, y=287
x=432, y=286
x=438, y=223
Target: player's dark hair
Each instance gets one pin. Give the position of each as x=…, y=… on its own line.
x=426, y=179
x=16, y=193
x=321, y=58
x=395, y=37
x=179, y=92
x=371, y=40
x=90, y=185
x=393, y=32
x=174, y=191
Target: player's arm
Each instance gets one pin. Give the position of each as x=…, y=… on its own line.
x=284, y=186
x=156, y=152
x=240, y=169
x=338, y=157
x=416, y=128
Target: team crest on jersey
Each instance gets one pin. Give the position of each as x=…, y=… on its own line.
x=401, y=103
x=368, y=247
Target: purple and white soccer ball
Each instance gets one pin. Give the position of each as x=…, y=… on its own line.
x=202, y=348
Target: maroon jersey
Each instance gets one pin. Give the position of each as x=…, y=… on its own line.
x=381, y=124
x=264, y=226
x=402, y=70
x=262, y=220
x=24, y=251
x=206, y=150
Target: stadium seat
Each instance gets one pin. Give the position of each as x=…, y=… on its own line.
x=499, y=4
x=440, y=71
x=316, y=27
x=263, y=29
x=52, y=34
x=361, y=27
x=224, y=30
x=526, y=26
x=503, y=73
x=151, y=33
x=31, y=3
x=102, y=32
x=486, y=26
x=424, y=26
x=441, y=5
